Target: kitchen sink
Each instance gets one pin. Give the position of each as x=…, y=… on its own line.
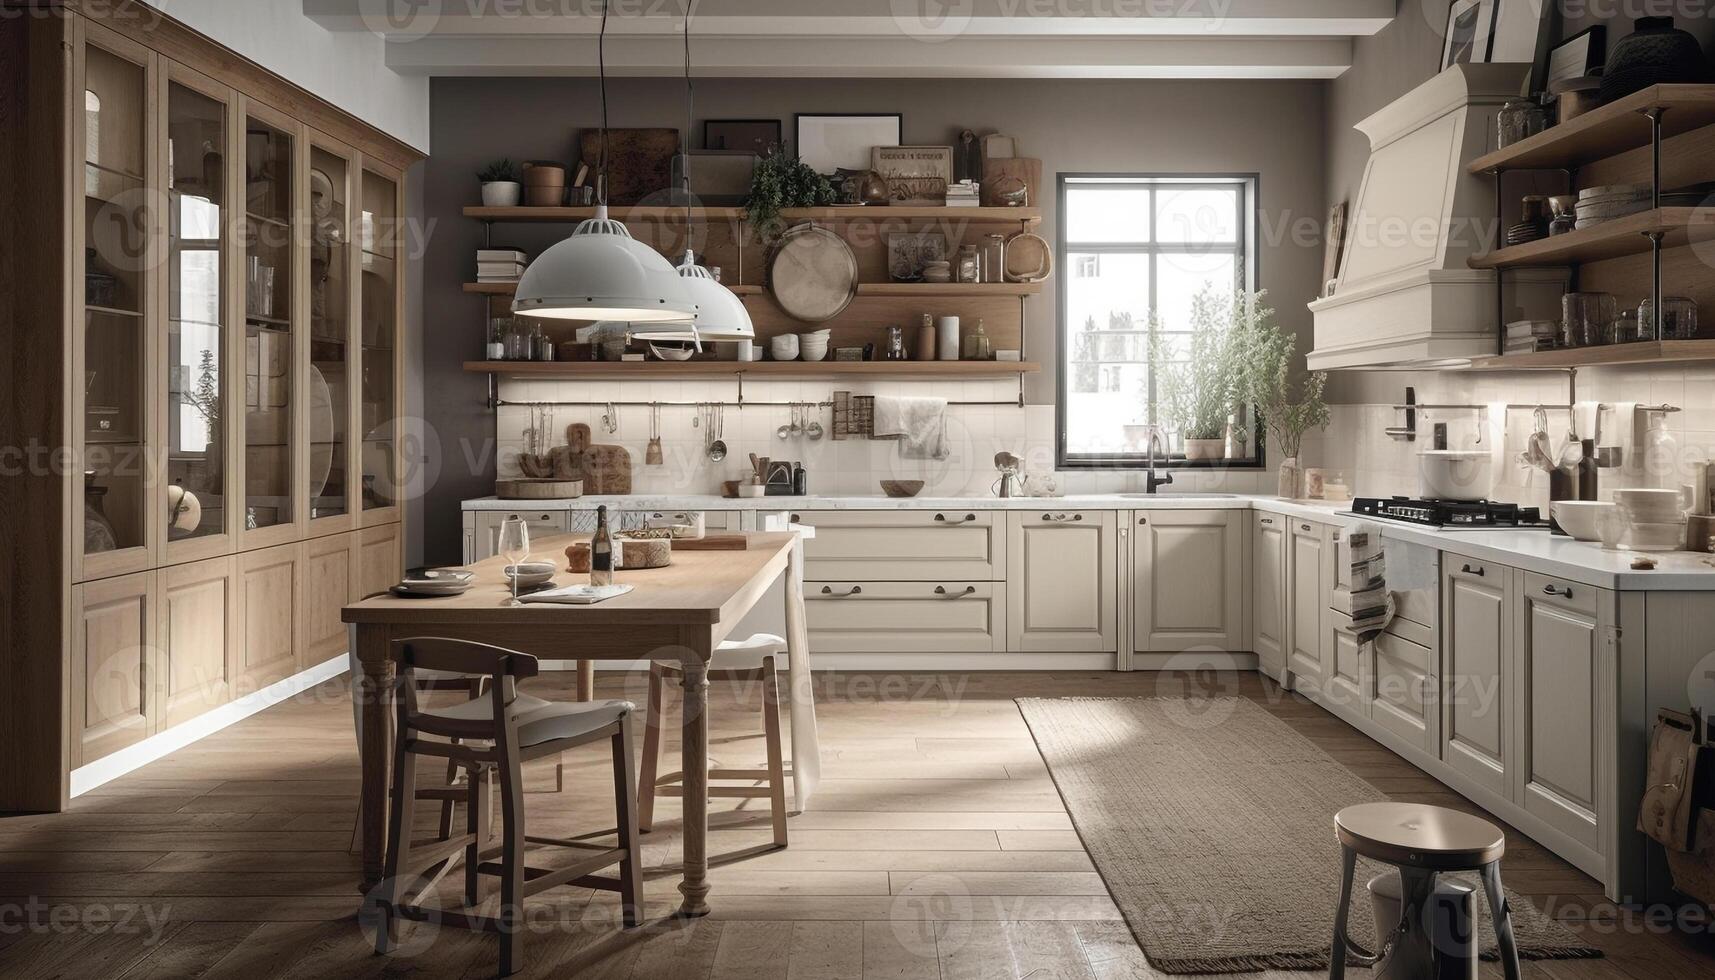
x=1171, y=496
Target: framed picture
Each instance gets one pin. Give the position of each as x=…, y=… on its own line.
x=830, y=141
x=758, y=136
x=1332, y=246
x=914, y=174
x=909, y=251
x=1577, y=56
x=1470, y=33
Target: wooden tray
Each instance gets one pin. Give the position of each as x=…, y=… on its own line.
x=713, y=542
x=538, y=489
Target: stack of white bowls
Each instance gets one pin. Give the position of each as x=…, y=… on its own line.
x=813, y=346
x=1655, y=519
x=784, y=346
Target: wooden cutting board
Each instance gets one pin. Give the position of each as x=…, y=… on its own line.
x=603, y=469
x=713, y=542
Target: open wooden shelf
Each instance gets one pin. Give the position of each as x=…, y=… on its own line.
x=1610, y=239
x=827, y=215
x=864, y=289
x=1606, y=130
x=574, y=370
x=1643, y=352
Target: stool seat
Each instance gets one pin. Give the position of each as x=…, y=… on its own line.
x=745, y=654
x=1418, y=835
x=542, y=721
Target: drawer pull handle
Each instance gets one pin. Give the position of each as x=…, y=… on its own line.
x=1062, y=518
x=942, y=590
x=829, y=590
x=1265, y=520
x=968, y=518
x=795, y=519
x=1472, y=569
x=1552, y=590
x=1143, y=520
x=1305, y=528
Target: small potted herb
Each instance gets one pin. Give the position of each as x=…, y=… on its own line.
x=500, y=185
x=1198, y=386
x=779, y=182
x=1288, y=400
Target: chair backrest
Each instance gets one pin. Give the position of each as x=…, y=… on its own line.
x=501, y=666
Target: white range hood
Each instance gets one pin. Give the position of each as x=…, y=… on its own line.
x=1405, y=297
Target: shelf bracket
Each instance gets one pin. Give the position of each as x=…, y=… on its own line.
x=1408, y=431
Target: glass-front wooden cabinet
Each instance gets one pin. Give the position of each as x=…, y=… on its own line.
x=379, y=239
x=195, y=381
x=116, y=247
x=270, y=266
x=331, y=360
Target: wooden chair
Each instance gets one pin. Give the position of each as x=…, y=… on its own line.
x=759, y=651
x=496, y=735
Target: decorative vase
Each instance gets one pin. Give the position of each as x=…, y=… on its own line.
x=501, y=193
x=1289, y=478
x=1205, y=448
x=1654, y=53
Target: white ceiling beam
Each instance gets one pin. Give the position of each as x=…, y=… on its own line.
x=929, y=20
x=861, y=58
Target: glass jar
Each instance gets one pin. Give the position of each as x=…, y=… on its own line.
x=1585, y=319
x=895, y=349
x=496, y=349
x=994, y=258
x=1517, y=120
x=976, y=345
x=1625, y=328
x=517, y=341
x=969, y=268
x=1678, y=318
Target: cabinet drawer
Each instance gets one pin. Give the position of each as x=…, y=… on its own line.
x=1558, y=592
x=904, y=546
x=870, y=617
x=1403, y=687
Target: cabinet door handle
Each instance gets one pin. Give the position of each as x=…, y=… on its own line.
x=1265, y=520
x=967, y=519
x=1062, y=518
x=1472, y=570
x=829, y=590
x=1550, y=589
x=795, y=519
x=1143, y=520
x=942, y=590
x=1305, y=528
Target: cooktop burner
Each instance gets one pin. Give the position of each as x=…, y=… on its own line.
x=1460, y=514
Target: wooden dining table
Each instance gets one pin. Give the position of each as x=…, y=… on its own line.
x=680, y=612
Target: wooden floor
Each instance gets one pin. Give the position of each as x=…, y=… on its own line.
x=936, y=848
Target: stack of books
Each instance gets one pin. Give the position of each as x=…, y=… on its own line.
x=963, y=194
x=500, y=264
x=1530, y=336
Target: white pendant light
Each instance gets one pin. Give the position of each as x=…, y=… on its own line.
x=601, y=272
x=720, y=314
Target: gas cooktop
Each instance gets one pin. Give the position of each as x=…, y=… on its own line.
x=1457, y=514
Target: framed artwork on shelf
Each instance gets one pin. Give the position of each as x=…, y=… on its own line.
x=1577, y=56
x=914, y=174
x=1333, y=244
x=758, y=136
x=1469, y=36
x=909, y=251
x=832, y=141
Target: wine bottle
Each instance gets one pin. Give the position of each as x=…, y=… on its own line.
x=601, y=550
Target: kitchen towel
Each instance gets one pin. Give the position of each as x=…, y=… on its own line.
x=1492, y=433
x=1371, y=606
x=1624, y=437
x=921, y=424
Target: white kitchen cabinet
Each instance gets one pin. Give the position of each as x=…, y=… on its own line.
x=1268, y=593
x=1346, y=674
x=1476, y=674
x=484, y=539
x=906, y=545
x=1062, y=581
x=1309, y=586
x=905, y=617
x=1401, y=690
x=1187, y=580
x=1565, y=680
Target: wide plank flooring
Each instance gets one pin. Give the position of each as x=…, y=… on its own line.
x=935, y=849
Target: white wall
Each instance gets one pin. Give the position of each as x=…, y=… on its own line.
x=347, y=69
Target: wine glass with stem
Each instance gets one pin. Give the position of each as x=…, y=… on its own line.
x=515, y=545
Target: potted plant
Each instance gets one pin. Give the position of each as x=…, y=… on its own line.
x=1288, y=403
x=781, y=181
x=500, y=185
x=1198, y=388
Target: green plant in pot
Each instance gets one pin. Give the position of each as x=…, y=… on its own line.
x=781, y=181
x=1197, y=386
x=500, y=184
x=1288, y=400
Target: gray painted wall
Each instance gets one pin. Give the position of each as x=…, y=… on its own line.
x=1273, y=128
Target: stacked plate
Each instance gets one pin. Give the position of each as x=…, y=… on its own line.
x=435, y=582
x=1690, y=196
x=1654, y=518
x=1610, y=201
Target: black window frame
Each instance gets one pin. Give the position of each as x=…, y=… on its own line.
x=1249, y=210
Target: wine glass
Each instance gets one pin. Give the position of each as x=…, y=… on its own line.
x=515, y=545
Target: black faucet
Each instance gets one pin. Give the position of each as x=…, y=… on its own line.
x=1150, y=480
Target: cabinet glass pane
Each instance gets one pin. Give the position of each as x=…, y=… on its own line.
x=196, y=322
x=268, y=257
x=330, y=332
x=116, y=223
x=378, y=239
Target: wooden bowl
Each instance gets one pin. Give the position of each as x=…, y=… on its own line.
x=901, y=488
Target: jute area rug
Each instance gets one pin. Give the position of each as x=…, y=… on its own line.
x=1212, y=824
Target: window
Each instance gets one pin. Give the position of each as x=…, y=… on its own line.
x=1138, y=249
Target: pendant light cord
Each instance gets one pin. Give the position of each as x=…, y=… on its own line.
x=690, y=116
x=601, y=75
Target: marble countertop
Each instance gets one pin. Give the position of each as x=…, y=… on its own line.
x=1531, y=549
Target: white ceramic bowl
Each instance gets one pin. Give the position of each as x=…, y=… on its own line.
x=1453, y=474
x=530, y=573
x=784, y=347
x=1643, y=499
x=1581, y=518
x=1654, y=537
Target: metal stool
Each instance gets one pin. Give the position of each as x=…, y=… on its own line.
x=1422, y=841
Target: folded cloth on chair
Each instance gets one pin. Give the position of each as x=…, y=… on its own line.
x=921, y=424
x=1369, y=594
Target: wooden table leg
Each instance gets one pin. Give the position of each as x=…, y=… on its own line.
x=374, y=690
x=586, y=680
x=695, y=746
